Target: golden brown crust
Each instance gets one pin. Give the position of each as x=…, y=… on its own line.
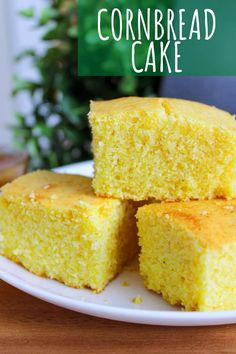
x=52, y=188
x=213, y=222
x=170, y=106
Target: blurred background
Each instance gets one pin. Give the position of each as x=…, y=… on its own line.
x=44, y=104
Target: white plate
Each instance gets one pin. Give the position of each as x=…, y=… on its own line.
x=115, y=302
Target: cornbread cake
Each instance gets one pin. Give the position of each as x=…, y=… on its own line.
x=55, y=226
x=188, y=252
x=162, y=148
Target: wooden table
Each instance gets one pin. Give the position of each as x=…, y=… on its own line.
x=28, y=325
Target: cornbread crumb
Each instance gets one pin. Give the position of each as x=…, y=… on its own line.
x=137, y=300
x=204, y=212
x=228, y=207
x=161, y=148
x=190, y=258
x=125, y=283
x=32, y=195
x=66, y=232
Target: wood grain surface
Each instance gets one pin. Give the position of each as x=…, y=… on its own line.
x=29, y=325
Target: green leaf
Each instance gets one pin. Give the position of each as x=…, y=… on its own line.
x=42, y=129
x=28, y=13
x=20, y=118
x=53, y=160
x=52, y=34
x=48, y=14
x=71, y=134
x=26, y=53
x=32, y=147
x=24, y=85
x=70, y=108
x=73, y=32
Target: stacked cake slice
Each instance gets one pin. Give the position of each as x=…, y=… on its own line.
x=174, y=150
x=55, y=226
x=188, y=252
x=165, y=149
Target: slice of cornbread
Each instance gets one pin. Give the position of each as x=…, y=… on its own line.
x=188, y=252
x=55, y=226
x=166, y=149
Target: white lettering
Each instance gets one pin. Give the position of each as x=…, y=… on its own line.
x=99, y=25
x=138, y=71
x=211, y=12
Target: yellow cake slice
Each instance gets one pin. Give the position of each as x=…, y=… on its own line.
x=55, y=226
x=188, y=252
x=162, y=148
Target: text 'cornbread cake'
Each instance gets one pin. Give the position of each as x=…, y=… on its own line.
x=55, y=226
x=166, y=149
x=188, y=252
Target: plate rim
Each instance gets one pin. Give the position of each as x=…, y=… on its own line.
x=132, y=315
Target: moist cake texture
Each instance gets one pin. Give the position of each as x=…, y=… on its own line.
x=161, y=148
x=188, y=252
x=55, y=226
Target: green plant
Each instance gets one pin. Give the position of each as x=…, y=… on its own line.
x=57, y=132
